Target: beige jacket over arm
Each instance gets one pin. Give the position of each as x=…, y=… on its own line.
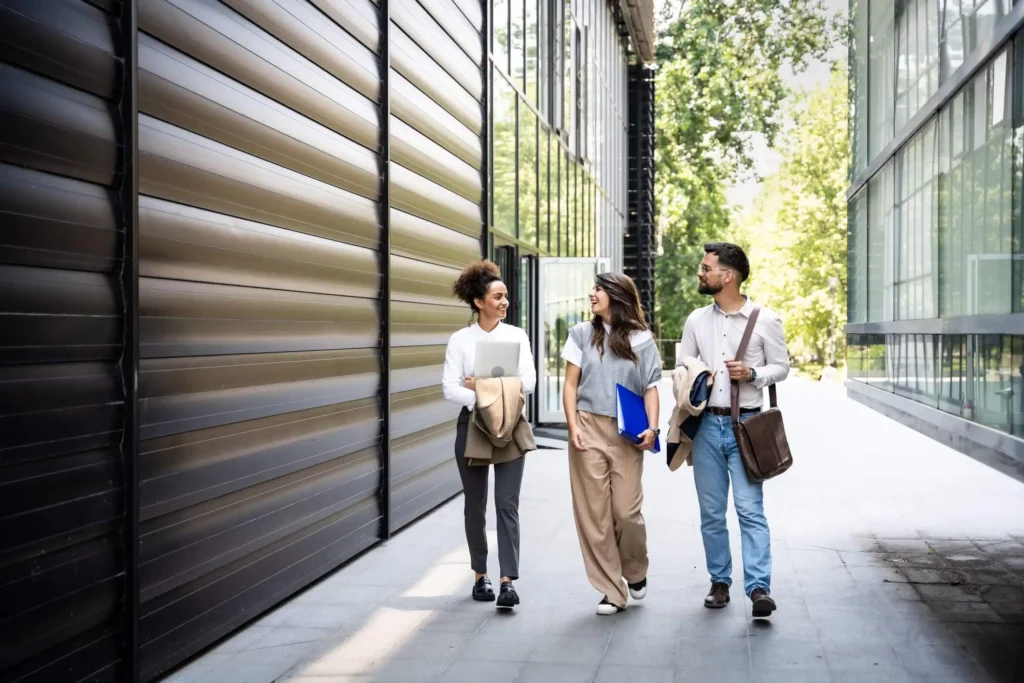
x=498, y=431
x=683, y=378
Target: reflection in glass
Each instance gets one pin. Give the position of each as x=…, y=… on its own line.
x=917, y=60
x=917, y=217
x=564, y=293
x=976, y=233
x=563, y=201
x=544, y=191
x=993, y=381
x=531, y=51
x=500, y=30
x=568, y=80
x=880, y=245
x=527, y=174
x=857, y=259
x=517, y=34
x=572, y=216
x=882, y=68
x=967, y=23
x=858, y=70
x=504, y=156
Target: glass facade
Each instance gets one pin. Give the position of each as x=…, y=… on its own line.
x=558, y=138
x=935, y=271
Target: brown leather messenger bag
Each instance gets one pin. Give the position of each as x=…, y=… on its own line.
x=761, y=438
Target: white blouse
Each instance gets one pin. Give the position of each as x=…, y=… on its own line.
x=460, y=360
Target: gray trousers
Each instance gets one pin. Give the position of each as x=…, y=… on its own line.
x=508, y=479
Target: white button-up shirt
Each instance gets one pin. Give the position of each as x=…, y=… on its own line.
x=714, y=336
x=460, y=360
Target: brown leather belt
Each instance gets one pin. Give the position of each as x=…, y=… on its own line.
x=726, y=412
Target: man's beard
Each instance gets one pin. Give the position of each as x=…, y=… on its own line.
x=708, y=289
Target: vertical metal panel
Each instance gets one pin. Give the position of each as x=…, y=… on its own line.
x=63, y=447
x=437, y=223
x=260, y=219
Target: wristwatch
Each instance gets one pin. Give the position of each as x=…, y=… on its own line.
x=753, y=375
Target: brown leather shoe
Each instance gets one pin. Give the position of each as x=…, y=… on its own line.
x=763, y=603
x=718, y=597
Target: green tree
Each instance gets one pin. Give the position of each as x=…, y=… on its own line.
x=798, y=224
x=719, y=80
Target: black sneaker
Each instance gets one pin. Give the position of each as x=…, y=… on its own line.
x=507, y=597
x=638, y=590
x=483, y=591
x=605, y=608
x=763, y=603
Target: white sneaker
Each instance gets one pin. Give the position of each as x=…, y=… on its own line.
x=605, y=608
x=638, y=590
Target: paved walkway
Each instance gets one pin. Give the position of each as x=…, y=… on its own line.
x=896, y=559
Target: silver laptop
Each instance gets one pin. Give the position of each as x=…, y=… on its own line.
x=497, y=359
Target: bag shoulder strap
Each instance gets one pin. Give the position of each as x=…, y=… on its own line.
x=740, y=353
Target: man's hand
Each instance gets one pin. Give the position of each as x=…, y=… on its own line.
x=647, y=438
x=738, y=370
x=470, y=384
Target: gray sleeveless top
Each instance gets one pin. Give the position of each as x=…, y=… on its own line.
x=598, y=376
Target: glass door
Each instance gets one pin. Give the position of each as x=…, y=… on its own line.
x=564, y=298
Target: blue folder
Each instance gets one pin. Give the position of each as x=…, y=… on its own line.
x=632, y=415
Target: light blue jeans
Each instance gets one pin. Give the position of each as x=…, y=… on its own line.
x=715, y=458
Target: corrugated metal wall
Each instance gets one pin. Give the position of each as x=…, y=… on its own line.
x=258, y=219
x=260, y=181
x=437, y=157
x=61, y=397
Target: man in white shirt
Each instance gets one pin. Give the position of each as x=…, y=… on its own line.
x=713, y=335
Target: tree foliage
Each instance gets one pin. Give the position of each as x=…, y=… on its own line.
x=720, y=80
x=799, y=221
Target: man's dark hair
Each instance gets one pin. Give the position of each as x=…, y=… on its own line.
x=731, y=256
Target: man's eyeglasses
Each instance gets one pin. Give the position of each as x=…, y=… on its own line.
x=704, y=270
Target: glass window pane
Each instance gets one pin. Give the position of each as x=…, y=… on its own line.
x=976, y=233
x=503, y=151
x=544, y=191
x=859, y=82
x=563, y=201
x=517, y=34
x=880, y=245
x=531, y=51
x=882, y=70
x=527, y=174
x=499, y=19
x=857, y=258
x=917, y=169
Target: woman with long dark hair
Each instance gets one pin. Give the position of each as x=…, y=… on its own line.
x=605, y=469
x=481, y=288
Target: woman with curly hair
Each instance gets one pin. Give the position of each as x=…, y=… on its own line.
x=480, y=286
x=605, y=470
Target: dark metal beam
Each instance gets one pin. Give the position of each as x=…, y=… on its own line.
x=485, y=106
x=128, y=201
x=384, y=254
x=975, y=62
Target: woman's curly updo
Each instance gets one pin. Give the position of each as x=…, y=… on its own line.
x=474, y=281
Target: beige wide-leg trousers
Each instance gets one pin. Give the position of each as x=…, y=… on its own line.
x=607, y=494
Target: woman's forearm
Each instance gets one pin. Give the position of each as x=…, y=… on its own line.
x=653, y=405
x=569, y=404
